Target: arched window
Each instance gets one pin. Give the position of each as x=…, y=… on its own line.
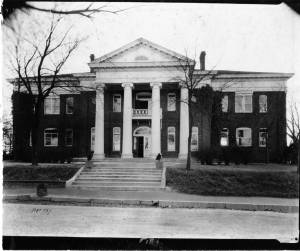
x=171, y=102
x=116, y=138
x=243, y=136
x=263, y=103
x=194, y=139
x=171, y=139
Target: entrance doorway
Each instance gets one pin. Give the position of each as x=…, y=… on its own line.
x=142, y=142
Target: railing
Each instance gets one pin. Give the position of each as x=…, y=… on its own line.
x=141, y=113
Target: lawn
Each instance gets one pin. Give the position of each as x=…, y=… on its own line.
x=233, y=183
x=50, y=173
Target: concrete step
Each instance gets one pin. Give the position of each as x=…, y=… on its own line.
x=120, y=172
x=112, y=176
x=117, y=183
x=131, y=179
x=118, y=188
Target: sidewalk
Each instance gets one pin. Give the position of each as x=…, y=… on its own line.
x=150, y=198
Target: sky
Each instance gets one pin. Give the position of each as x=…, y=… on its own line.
x=235, y=37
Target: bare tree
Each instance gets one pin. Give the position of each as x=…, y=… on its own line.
x=193, y=81
x=43, y=57
x=9, y=7
x=293, y=128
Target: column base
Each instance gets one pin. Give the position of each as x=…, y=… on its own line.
x=98, y=156
x=182, y=156
x=126, y=156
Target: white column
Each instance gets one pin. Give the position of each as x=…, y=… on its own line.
x=184, y=124
x=127, y=121
x=99, y=123
x=155, y=119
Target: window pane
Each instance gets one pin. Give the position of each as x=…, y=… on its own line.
x=69, y=137
x=51, y=105
x=248, y=103
x=238, y=103
x=70, y=105
x=263, y=135
x=116, y=139
x=243, y=137
x=171, y=138
x=194, y=139
x=225, y=103
x=117, y=103
x=50, y=137
x=171, y=102
x=263, y=107
x=224, y=140
x=92, y=138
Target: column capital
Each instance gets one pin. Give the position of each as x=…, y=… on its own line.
x=130, y=85
x=155, y=84
x=183, y=85
x=99, y=85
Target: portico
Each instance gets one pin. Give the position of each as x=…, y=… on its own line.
x=140, y=62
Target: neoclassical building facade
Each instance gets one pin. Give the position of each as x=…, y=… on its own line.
x=131, y=104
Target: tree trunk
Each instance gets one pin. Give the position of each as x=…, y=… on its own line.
x=35, y=134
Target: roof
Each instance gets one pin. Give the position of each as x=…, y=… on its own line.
x=137, y=42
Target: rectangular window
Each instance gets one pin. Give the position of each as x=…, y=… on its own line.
x=117, y=103
x=116, y=138
x=52, y=105
x=194, y=139
x=243, y=103
x=92, y=138
x=171, y=139
x=51, y=137
x=224, y=139
x=263, y=136
x=69, y=137
x=171, y=102
x=69, y=105
x=225, y=103
x=263, y=103
x=243, y=136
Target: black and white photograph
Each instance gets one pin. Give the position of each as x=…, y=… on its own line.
x=159, y=125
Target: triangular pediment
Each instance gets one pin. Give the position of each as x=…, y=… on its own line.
x=140, y=52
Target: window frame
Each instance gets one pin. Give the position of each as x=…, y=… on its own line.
x=118, y=149
x=30, y=139
x=71, y=130
x=120, y=96
x=69, y=98
x=45, y=136
x=170, y=147
x=49, y=103
x=224, y=130
x=265, y=106
x=243, y=102
x=259, y=137
x=237, y=137
x=197, y=137
x=171, y=107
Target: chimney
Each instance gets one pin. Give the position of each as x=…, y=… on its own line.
x=202, y=60
x=92, y=57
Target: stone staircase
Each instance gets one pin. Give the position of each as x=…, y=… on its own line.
x=121, y=175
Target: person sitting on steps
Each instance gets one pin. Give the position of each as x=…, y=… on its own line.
x=89, y=162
